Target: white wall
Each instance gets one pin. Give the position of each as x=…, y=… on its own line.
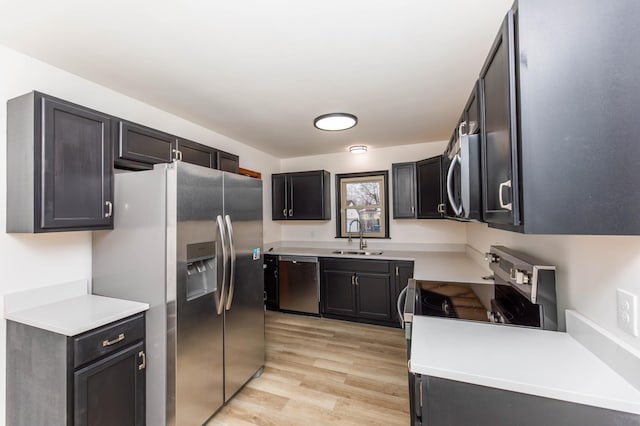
x=30, y=261
x=401, y=231
x=589, y=269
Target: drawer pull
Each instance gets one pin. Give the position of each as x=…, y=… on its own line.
x=142, y=355
x=106, y=343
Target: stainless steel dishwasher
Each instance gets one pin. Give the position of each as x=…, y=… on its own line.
x=298, y=284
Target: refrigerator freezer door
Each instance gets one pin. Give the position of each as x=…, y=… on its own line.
x=244, y=321
x=129, y=263
x=198, y=345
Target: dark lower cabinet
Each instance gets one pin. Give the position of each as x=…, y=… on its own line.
x=111, y=391
x=59, y=166
x=338, y=293
x=362, y=290
x=373, y=292
x=271, y=287
x=442, y=402
x=93, y=379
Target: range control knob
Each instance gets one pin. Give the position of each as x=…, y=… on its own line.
x=491, y=258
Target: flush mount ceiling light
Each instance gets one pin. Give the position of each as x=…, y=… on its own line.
x=335, y=121
x=358, y=149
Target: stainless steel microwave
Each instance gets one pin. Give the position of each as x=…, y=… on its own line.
x=463, y=179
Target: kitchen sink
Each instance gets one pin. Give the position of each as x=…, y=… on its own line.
x=360, y=252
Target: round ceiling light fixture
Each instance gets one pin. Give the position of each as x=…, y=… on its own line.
x=358, y=149
x=335, y=121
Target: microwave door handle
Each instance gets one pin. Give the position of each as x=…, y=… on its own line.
x=456, y=208
x=503, y=205
x=222, y=283
x=465, y=175
x=232, y=255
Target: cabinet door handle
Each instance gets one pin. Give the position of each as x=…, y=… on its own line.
x=109, y=211
x=353, y=280
x=503, y=205
x=284, y=212
x=357, y=280
x=413, y=209
x=291, y=198
x=143, y=364
x=177, y=155
x=106, y=343
x=397, y=271
x=441, y=208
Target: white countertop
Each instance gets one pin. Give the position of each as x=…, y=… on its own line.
x=537, y=362
x=77, y=314
x=446, y=266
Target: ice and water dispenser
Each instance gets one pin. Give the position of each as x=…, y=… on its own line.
x=202, y=270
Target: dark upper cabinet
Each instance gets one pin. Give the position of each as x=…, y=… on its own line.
x=429, y=180
x=59, y=166
x=140, y=144
x=195, y=153
x=404, y=190
x=499, y=135
x=559, y=126
x=228, y=162
x=301, y=196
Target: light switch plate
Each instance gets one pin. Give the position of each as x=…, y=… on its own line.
x=627, y=311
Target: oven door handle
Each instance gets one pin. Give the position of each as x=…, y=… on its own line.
x=400, y=305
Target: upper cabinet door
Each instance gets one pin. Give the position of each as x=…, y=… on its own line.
x=76, y=166
x=404, y=190
x=145, y=145
x=429, y=179
x=306, y=200
x=195, y=153
x=228, y=162
x=59, y=166
x=499, y=135
x=279, y=197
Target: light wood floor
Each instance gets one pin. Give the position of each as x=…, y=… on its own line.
x=324, y=372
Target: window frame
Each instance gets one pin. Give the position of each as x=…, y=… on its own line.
x=384, y=206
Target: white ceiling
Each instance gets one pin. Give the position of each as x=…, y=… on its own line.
x=260, y=71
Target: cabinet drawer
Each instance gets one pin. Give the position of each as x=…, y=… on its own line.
x=105, y=340
x=357, y=265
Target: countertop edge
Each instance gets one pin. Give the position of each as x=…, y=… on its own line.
x=26, y=316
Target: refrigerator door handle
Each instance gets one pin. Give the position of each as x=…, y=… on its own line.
x=220, y=307
x=232, y=255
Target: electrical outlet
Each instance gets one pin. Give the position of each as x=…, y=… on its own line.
x=627, y=311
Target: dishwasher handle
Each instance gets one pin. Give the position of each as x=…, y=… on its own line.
x=298, y=259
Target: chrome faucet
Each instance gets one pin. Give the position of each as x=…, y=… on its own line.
x=363, y=243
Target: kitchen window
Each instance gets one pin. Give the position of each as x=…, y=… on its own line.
x=362, y=201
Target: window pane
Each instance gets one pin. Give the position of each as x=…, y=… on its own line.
x=363, y=193
x=371, y=219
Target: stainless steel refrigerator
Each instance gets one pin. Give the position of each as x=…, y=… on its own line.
x=187, y=240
